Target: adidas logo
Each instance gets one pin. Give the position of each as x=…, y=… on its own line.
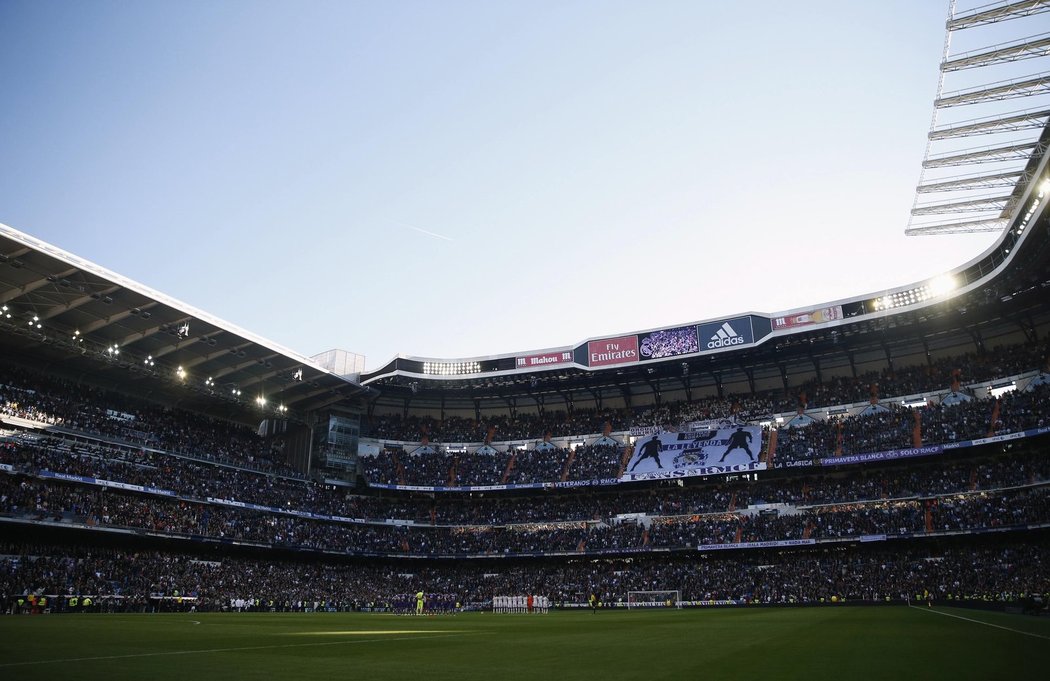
x=724, y=337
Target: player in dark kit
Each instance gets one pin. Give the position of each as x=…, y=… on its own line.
x=740, y=439
x=650, y=450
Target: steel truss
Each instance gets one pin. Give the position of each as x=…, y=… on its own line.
x=990, y=154
x=998, y=11
x=997, y=203
x=1025, y=48
x=996, y=92
x=993, y=181
x=960, y=227
x=990, y=125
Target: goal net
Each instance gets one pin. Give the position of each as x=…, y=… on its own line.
x=654, y=599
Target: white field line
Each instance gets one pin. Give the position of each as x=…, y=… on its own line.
x=987, y=624
x=5, y=665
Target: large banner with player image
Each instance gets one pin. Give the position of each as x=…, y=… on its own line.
x=730, y=449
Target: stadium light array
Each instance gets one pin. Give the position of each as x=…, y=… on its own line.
x=281, y=409
x=208, y=382
x=1041, y=192
x=35, y=322
x=235, y=392
x=451, y=368
x=938, y=286
x=181, y=373
x=148, y=361
x=261, y=401
x=5, y=311
x=77, y=338
x=112, y=350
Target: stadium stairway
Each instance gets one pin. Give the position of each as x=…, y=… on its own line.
x=628, y=452
x=739, y=537
x=452, y=471
x=509, y=468
x=973, y=478
x=916, y=430
x=645, y=537
x=568, y=465
x=732, y=503
x=929, y=515
x=771, y=448
x=995, y=418
x=808, y=531
x=582, y=546
x=399, y=467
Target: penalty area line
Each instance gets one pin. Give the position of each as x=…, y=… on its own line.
x=987, y=624
x=4, y=665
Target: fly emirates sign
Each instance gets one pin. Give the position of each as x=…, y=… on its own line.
x=622, y=350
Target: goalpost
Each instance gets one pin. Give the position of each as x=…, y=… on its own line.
x=669, y=598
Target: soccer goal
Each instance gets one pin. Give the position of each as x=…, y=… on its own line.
x=654, y=599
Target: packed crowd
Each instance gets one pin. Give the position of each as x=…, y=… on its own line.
x=119, y=418
x=939, y=374
x=139, y=580
x=894, y=429
x=190, y=479
x=37, y=500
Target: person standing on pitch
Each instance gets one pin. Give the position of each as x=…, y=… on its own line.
x=419, y=602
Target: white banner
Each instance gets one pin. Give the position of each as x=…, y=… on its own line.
x=710, y=452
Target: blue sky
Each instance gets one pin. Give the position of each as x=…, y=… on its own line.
x=451, y=179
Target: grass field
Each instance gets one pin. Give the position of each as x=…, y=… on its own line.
x=805, y=643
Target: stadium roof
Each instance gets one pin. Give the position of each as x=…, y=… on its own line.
x=995, y=89
x=75, y=317
x=1005, y=290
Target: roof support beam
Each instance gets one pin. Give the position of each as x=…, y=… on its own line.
x=1025, y=48
x=32, y=286
x=994, y=181
x=1003, y=11
x=996, y=92
x=1010, y=152
x=987, y=203
x=1024, y=120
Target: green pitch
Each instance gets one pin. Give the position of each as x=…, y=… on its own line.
x=835, y=642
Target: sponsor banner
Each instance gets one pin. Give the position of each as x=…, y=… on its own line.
x=610, y=351
x=676, y=455
x=105, y=483
x=757, y=544
x=882, y=456
x=492, y=488
x=545, y=359
x=1031, y=432
x=639, y=431
x=135, y=488
x=694, y=604
x=808, y=318
x=7, y=467
x=585, y=483
x=668, y=343
x=726, y=335
x=872, y=537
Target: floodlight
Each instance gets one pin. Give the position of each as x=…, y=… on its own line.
x=943, y=284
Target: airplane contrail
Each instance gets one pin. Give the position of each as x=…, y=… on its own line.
x=428, y=233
